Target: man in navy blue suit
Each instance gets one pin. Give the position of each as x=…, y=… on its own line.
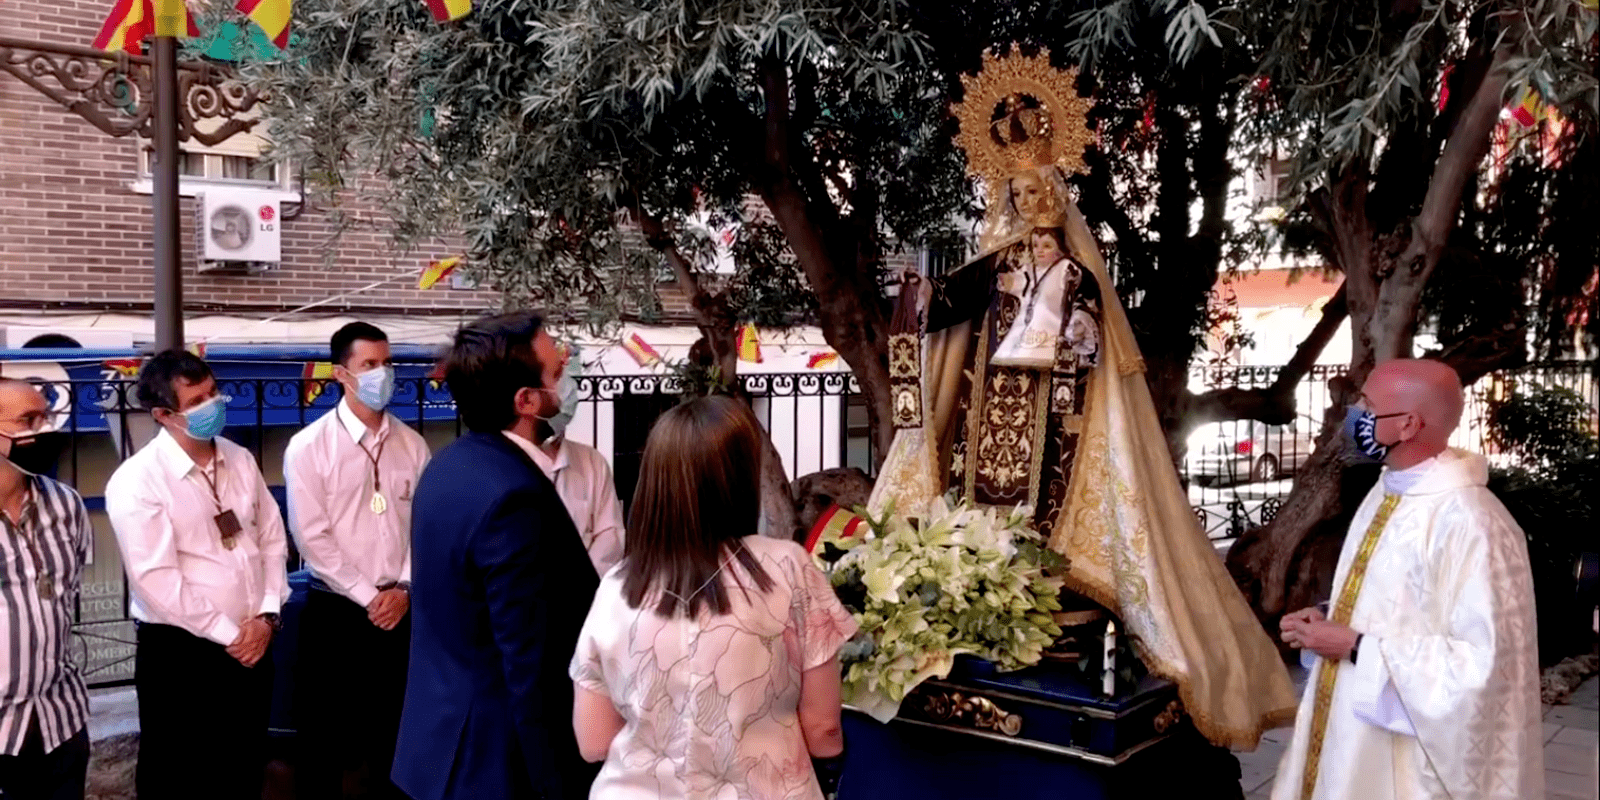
x=500, y=587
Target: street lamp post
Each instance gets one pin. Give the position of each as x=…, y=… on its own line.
x=157, y=98
x=168, y=305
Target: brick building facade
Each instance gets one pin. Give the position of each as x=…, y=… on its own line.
x=75, y=215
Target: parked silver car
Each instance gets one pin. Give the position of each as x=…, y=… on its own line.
x=1246, y=451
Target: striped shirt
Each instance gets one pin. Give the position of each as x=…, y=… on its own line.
x=41, y=565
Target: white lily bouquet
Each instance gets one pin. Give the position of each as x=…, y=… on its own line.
x=962, y=580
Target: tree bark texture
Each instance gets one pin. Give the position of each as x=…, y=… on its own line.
x=719, y=348
x=1288, y=563
x=834, y=253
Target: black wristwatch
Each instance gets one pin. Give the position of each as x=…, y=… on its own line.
x=274, y=620
x=829, y=771
x=1355, y=649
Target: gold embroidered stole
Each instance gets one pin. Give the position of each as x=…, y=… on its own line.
x=1341, y=614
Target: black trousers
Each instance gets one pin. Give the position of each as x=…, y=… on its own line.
x=33, y=774
x=350, y=682
x=202, y=718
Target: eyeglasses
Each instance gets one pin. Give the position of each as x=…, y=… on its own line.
x=29, y=421
x=1366, y=405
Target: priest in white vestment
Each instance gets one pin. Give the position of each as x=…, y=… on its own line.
x=1425, y=682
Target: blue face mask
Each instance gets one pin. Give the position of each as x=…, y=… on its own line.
x=205, y=421
x=567, y=394
x=375, y=388
x=1361, y=430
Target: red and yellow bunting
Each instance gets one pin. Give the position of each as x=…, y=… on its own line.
x=131, y=21
x=833, y=527
x=643, y=354
x=749, y=344
x=438, y=271
x=822, y=359
x=449, y=10
x=1530, y=111
x=272, y=16
x=124, y=367
x=314, y=378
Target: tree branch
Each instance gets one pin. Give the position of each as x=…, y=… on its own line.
x=707, y=309
x=1399, y=293
x=1274, y=404
x=1480, y=354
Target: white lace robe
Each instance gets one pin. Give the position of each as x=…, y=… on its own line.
x=1443, y=701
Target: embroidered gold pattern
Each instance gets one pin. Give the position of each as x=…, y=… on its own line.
x=1329, y=672
x=905, y=374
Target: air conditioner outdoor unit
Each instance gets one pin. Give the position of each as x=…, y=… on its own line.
x=19, y=336
x=236, y=229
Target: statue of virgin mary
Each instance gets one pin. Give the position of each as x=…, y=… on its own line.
x=1017, y=381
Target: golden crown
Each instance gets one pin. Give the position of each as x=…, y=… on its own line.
x=1019, y=113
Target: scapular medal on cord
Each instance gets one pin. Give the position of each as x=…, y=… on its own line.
x=227, y=522
x=41, y=584
x=379, y=503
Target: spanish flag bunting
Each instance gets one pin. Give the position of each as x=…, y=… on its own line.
x=643, y=354
x=314, y=378
x=124, y=367
x=272, y=16
x=172, y=18
x=1530, y=110
x=449, y=10
x=125, y=29
x=822, y=359
x=131, y=21
x=837, y=527
x=749, y=344
x=437, y=271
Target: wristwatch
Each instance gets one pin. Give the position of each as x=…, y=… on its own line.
x=274, y=620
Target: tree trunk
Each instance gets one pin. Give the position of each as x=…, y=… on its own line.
x=719, y=348
x=853, y=318
x=1288, y=563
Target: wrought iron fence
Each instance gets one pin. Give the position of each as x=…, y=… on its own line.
x=817, y=421
x=1237, y=473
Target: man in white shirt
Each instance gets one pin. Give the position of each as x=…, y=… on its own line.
x=581, y=475
x=44, y=542
x=350, y=476
x=204, y=548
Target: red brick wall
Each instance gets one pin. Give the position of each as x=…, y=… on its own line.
x=74, y=234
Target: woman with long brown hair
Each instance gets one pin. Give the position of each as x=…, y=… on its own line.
x=709, y=664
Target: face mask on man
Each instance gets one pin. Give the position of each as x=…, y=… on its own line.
x=1361, y=431
x=34, y=452
x=203, y=422
x=566, y=392
x=375, y=387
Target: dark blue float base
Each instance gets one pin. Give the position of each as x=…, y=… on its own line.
x=899, y=760
x=1069, y=742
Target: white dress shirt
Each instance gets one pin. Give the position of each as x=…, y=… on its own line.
x=329, y=473
x=583, y=480
x=179, y=571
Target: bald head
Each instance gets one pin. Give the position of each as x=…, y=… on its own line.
x=1429, y=389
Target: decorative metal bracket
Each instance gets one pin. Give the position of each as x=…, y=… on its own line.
x=1169, y=716
x=941, y=705
x=114, y=91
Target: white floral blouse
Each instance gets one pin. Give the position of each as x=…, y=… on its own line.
x=710, y=703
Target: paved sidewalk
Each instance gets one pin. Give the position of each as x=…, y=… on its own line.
x=1571, y=751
